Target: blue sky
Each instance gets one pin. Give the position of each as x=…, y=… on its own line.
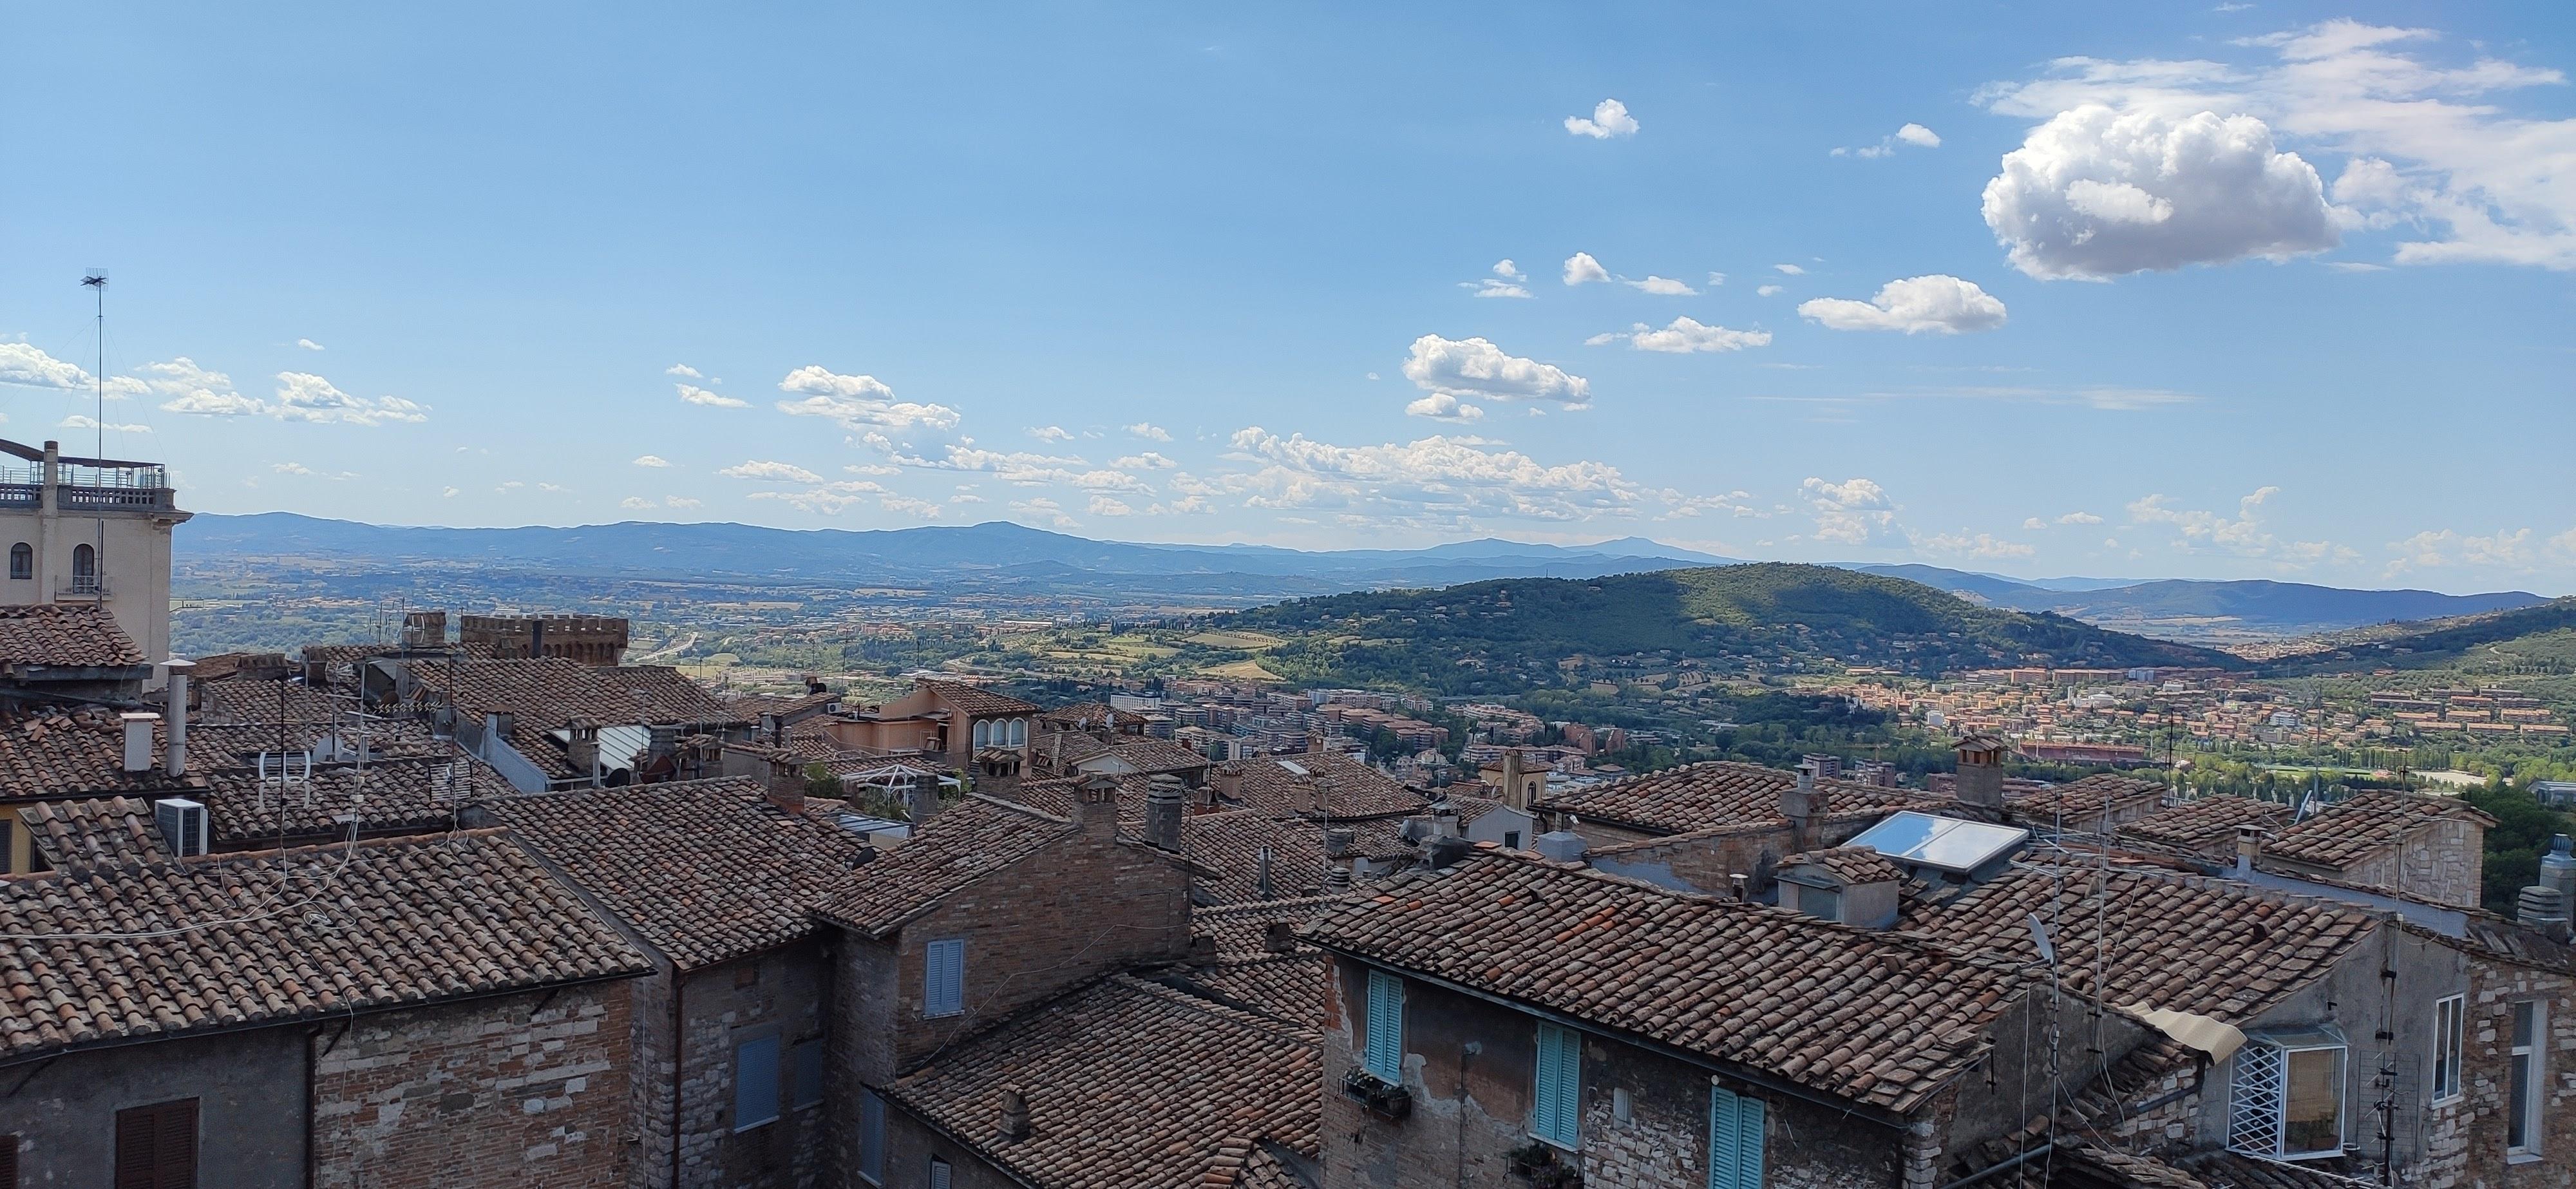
x=2235, y=291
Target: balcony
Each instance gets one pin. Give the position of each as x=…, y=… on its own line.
x=81, y=588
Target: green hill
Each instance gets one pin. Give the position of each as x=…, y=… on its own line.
x=1505, y=636
x=2540, y=638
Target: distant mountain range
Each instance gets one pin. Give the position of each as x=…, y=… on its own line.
x=1011, y=557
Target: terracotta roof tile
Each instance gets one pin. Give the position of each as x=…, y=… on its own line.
x=243, y=700
x=1230, y=843
x=1873, y=1017
x=977, y=702
x=390, y=796
x=56, y=754
x=1242, y=928
x=274, y=936
x=551, y=691
x=1128, y=1084
x=965, y=843
x=705, y=870
x=1321, y=784
x=2081, y=798
x=2206, y=826
x=2363, y=824
x=2172, y=941
x=65, y=635
x=102, y=830
x=1850, y=864
x=1288, y=987
x=1715, y=795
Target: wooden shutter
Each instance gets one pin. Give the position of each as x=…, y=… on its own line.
x=1560, y=1085
x=755, y=1082
x=1748, y=1143
x=943, y=991
x=1734, y=1140
x=1385, y=1046
x=871, y=1136
x=156, y=1146
x=8, y=1162
x=809, y=1073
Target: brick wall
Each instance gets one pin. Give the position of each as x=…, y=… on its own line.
x=2480, y=1119
x=784, y=995
x=1471, y=1109
x=510, y=1092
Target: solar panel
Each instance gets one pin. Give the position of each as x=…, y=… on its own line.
x=1295, y=767
x=1944, y=843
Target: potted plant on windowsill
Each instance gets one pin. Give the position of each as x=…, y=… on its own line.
x=1543, y=1167
x=1386, y=1101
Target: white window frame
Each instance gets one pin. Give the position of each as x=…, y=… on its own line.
x=2259, y=1098
x=2450, y=1028
x=932, y=1006
x=2535, y=1079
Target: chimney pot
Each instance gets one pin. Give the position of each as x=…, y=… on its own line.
x=1163, y=796
x=2249, y=847
x=1015, y=1113
x=1279, y=937
x=138, y=739
x=1095, y=805
x=176, y=697
x=1263, y=886
x=1338, y=843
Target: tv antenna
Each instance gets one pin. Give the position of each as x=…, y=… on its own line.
x=96, y=280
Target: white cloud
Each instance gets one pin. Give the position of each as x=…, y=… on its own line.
x=1984, y=546
x=1609, y=118
x=1509, y=271
x=27, y=366
x=2034, y=523
x=2079, y=518
x=682, y=369
x=1477, y=368
x=858, y=403
x=713, y=400
x=2243, y=535
x=635, y=503
x=1505, y=282
x=1918, y=136
x=1050, y=433
x=1443, y=407
x=303, y=396
x=1045, y=509
x=778, y=472
x=919, y=509
x=1766, y=290
x=85, y=421
x=1102, y=505
x=2500, y=550
x=2468, y=178
x=1581, y=268
x=1147, y=461
x=447, y=493
x=652, y=460
x=1685, y=336
x=1789, y=270
x=679, y=501
x=1150, y=431
x=1716, y=278
x=1663, y=287
x=308, y=344
x=292, y=468
x=1910, y=134
x=2094, y=193
x=1852, y=512
x=1936, y=303
x=1444, y=479
x=197, y=391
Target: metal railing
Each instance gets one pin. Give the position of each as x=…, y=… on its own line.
x=113, y=497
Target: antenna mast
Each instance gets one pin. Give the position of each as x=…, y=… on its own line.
x=97, y=282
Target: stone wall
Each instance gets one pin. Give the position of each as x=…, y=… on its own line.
x=2478, y=1123
x=249, y=1088
x=780, y=992
x=508, y=1092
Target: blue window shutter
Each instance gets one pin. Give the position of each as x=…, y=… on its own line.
x=1544, y=1118
x=1385, y=1045
x=1723, y=1158
x=1560, y=1085
x=939, y=1173
x=808, y=1058
x=1748, y=1145
x=943, y=978
x=872, y=1136
x=755, y=1082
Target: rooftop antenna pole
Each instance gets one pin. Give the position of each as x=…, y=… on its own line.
x=97, y=282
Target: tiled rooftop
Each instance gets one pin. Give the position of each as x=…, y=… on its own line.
x=1850, y=864
x=103, y=954
x=1714, y=795
x=242, y=700
x=65, y=635
x=2206, y=826
x=1873, y=1017
x=2082, y=798
x=101, y=830
x=2356, y=827
x=2167, y=940
x=1287, y=986
x=49, y=753
x=705, y=870
x=966, y=842
x=550, y=691
x=1241, y=928
x=1129, y=1084
x=1344, y=787
x=977, y=702
x=389, y=796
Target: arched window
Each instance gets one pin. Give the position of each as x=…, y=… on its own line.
x=983, y=735
x=1019, y=732
x=22, y=560
x=84, y=570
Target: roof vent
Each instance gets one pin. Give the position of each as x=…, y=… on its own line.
x=1564, y=846
x=1015, y=1113
x=183, y=826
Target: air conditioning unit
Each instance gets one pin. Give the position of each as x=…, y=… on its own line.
x=183, y=826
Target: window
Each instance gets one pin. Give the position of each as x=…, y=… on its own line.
x=943, y=978
x=2288, y=1096
x=808, y=1056
x=1558, y=1115
x=8, y=863
x=2522, y=1108
x=22, y=561
x=84, y=570
x=940, y=1174
x=872, y=1137
x=983, y=735
x=8, y=1162
x=1019, y=732
x=1511, y=839
x=1382, y=1052
x=755, y=1082
x=2448, y=1015
x=1734, y=1139
x=156, y=1146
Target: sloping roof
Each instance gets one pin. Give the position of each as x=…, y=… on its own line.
x=2172, y=941
x=65, y=635
x=1344, y=788
x=2206, y=826
x=1129, y=1084
x=1242, y=928
x=2363, y=824
x=1286, y=986
x=1715, y=795
x=1850, y=864
x=2228, y=1170
x=215, y=746
x=973, y=839
x=56, y=754
x=388, y=796
x=1230, y=843
x=108, y=953
x=1151, y=755
x=1875, y=1018
x=705, y=870
x=252, y=701
x=975, y=701
x=102, y=830
x=2081, y=798
x=551, y=691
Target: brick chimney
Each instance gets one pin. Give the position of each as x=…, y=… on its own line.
x=2249, y=847
x=786, y=783
x=1015, y=1114
x=1163, y=811
x=1981, y=771
x=1095, y=806
x=921, y=801
x=582, y=749
x=1227, y=780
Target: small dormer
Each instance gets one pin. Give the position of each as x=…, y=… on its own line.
x=1854, y=885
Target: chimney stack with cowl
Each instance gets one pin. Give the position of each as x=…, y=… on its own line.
x=1163, y=796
